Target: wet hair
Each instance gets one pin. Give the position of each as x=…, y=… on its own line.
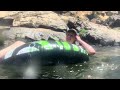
x=72, y=31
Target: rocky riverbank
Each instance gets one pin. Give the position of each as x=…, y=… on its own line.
x=95, y=27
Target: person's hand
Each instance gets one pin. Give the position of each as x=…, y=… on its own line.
x=78, y=38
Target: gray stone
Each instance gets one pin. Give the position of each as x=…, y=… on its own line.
x=33, y=33
x=6, y=22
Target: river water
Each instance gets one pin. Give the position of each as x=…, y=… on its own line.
x=105, y=64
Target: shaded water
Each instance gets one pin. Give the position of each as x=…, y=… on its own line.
x=104, y=65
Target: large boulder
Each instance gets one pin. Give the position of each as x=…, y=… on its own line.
x=102, y=35
x=33, y=33
x=38, y=19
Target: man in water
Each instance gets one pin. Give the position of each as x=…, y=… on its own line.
x=71, y=37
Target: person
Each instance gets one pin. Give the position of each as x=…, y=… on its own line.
x=71, y=37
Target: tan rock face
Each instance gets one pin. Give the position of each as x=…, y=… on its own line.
x=82, y=14
x=4, y=13
x=7, y=13
x=46, y=19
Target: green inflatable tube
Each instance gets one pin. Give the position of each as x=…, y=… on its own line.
x=46, y=53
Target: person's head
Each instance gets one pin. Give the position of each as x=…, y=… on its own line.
x=71, y=36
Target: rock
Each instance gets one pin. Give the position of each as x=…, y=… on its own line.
x=107, y=43
x=4, y=14
x=82, y=15
x=102, y=35
x=110, y=13
x=33, y=33
x=67, y=13
x=113, y=21
x=103, y=17
x=78, y=25
x=76, y=14
x=72, y=22
x=66, y=19
x=51, y=25
x=6, y=22
x=38, y=19
x=9, y=14
x=98, y=17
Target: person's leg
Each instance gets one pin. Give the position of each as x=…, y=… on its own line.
x=15, y=45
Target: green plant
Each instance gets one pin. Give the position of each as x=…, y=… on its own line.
x=83, y=32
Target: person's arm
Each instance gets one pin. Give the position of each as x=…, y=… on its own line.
x=89, y=48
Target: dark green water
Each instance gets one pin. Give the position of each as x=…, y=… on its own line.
x=105, y=64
